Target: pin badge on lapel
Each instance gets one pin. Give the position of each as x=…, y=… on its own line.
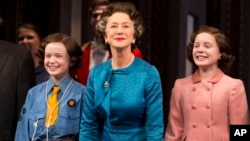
x=71, y=103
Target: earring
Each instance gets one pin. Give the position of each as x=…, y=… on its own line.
x=133, y=42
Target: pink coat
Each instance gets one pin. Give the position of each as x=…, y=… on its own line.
x=203, y=111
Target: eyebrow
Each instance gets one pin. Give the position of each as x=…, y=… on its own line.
x=121, y=23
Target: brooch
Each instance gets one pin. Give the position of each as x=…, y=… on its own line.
x=106, y=84
x=71, y=103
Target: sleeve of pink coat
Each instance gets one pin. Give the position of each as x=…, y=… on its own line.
x=174, y=129
x=238, y=108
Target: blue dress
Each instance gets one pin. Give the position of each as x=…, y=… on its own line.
x=31, y=124
x=123, y=104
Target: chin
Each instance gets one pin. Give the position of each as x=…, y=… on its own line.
x=53, y=73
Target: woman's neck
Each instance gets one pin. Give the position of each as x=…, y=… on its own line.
x=36, y=61
x=122, y=59
x=59, y=78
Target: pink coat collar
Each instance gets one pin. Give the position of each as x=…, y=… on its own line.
x=216, y=77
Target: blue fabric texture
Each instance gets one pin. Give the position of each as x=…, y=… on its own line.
x=41, y=74
x=123, y=104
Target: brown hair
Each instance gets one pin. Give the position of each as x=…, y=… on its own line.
x=97, y=3
x=71, y=45
x=227, y=57
x=30, y=26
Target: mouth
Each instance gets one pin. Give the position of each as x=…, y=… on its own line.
x=27, y=46
x=53, y=68
x=119, y=39
x=200, y=57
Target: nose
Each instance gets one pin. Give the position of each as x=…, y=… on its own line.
x=119, y=30
x=24, y=41
x=200, y=49
x=52, y=58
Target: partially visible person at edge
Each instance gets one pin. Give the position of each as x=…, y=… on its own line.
x=94, y=52
x=60, y=54
x=204, y=104
x=17, y=76
x=124, y=94
x=30, y=37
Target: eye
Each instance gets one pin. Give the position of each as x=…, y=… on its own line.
x=20, y=38
x=113, y=26
x=126, y=26
x=30, y=37
x=47, y=55
x=58, y=55
x=196, y=46
x=207, y=46
x=95, y=15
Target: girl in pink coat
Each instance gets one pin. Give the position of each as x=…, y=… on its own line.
x=204, y=104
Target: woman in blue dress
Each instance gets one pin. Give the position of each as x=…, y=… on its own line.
x=124, y=95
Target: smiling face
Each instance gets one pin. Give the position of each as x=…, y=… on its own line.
x=206, y=51
x=119, y=32
x=29, y=39
x=56, y=60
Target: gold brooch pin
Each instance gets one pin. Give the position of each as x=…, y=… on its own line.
x=71, y=103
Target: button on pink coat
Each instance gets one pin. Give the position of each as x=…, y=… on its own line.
x=203, y=111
